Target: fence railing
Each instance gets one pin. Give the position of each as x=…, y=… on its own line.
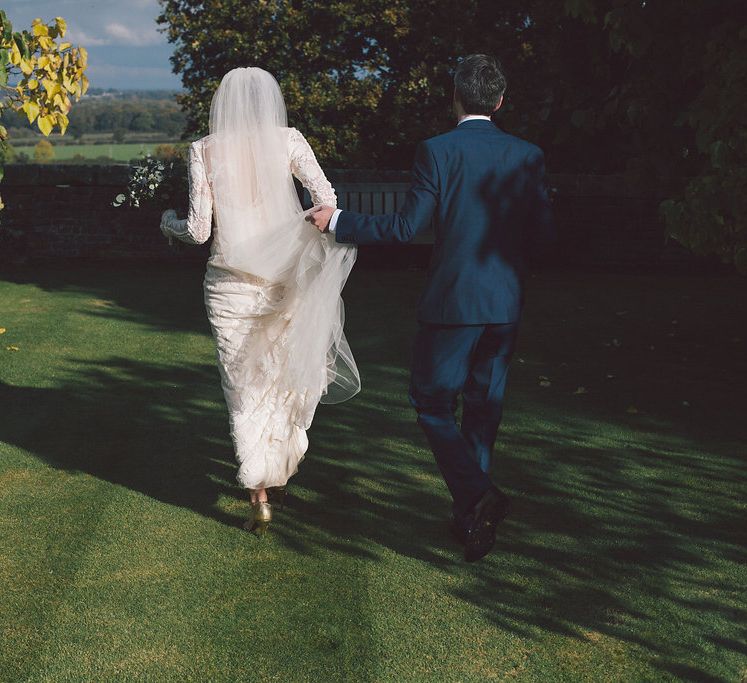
x=374, y=198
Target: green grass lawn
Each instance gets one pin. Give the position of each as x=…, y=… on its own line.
x=119, y=152
x=122, y=556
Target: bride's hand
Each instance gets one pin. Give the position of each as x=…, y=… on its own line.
x=166, y=217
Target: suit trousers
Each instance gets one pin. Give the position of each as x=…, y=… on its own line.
x=471, y=361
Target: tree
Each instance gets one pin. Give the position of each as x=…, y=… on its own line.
x=367, y=79
x=683, y=95
x=119, y=134
x=321, y=53
x=43, y=151
x=47, y=74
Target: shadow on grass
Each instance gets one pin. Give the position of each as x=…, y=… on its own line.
x=621, y=529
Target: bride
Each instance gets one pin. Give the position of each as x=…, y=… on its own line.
x=272, y=284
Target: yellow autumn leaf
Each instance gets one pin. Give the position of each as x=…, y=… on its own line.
x=61, y=26
x=40, y=29
x=26, y=67
x=12, y=347
x=63, y=121
x=33, y=84
x=2, y=330
x=31, y=109
x=43, y=61
x=46, y=123
x=46, y=42
x=15, y=54
x=65, y=46
x=52, y=87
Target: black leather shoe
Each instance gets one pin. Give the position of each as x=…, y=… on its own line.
x=488, y=512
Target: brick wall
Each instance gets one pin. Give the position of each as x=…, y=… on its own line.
x=64, y=211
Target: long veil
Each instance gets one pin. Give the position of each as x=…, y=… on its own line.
x=261, y=231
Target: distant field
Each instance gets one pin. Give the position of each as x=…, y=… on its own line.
x=118, y=152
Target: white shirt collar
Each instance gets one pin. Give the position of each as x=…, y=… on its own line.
x=473, y=117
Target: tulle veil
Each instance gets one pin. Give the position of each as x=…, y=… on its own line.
x=261, y=231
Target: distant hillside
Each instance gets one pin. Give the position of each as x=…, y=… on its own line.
x=119, y=115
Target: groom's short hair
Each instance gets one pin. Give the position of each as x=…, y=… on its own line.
x=479, y=84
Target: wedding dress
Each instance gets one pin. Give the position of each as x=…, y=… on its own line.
x=272, y=283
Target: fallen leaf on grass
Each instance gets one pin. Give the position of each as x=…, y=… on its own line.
x=2, y=330
x=12, y=347
x=544, y=381
x=581, y=390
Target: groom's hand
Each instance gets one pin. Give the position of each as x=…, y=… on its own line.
x=320, y=217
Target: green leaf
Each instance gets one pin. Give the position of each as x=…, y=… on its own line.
x=22, y=44
x=7, y=27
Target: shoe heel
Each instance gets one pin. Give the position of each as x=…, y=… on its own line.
x=262, y=518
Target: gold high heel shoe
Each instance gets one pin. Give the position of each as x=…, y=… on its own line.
x=261, y=518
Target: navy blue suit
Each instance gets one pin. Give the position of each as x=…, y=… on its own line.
x=485, y=193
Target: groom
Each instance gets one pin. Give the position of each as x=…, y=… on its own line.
x=485, y=192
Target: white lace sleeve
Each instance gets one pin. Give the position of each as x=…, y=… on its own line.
x=196, y=227
x=306, y=168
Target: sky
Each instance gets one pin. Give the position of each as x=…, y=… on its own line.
x=125, y=49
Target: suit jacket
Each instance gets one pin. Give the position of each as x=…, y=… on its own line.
x=486, y=193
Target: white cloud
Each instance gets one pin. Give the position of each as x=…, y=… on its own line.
x=124, y=35
x=78, y=37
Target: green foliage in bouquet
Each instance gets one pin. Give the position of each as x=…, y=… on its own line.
x=156, y=183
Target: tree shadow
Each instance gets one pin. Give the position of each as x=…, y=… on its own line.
x=615, y=522
x=144, y=426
